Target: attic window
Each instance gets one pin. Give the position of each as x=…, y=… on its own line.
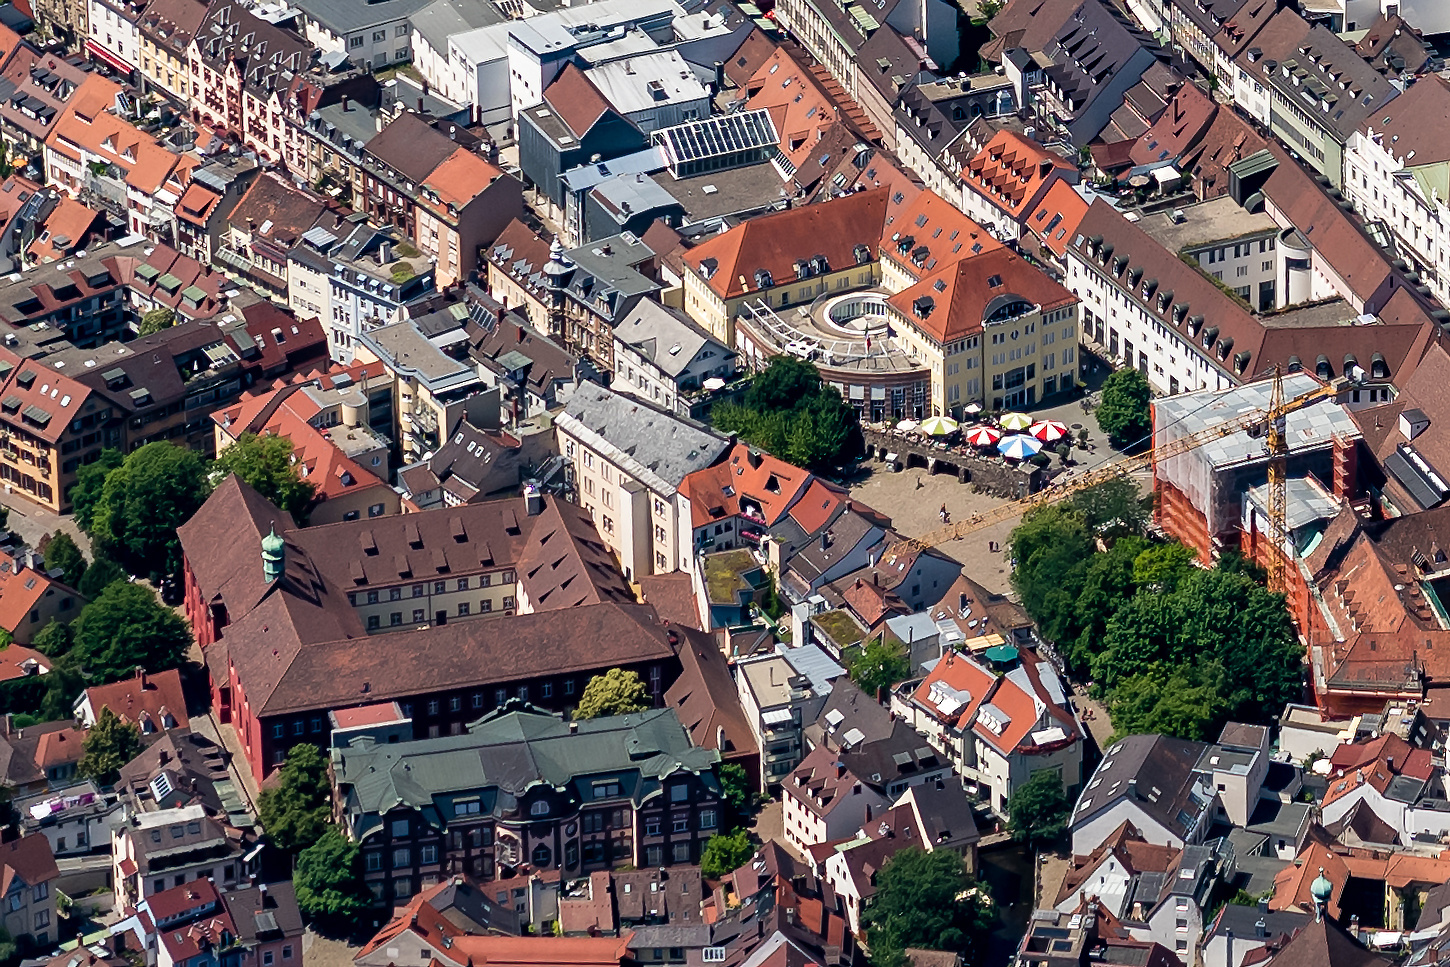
x=994, y=282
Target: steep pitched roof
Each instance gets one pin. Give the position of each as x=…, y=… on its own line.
x=774, y=243
x=575, y=99
x=957, y=301
x=1010, y=170
x=716, y=492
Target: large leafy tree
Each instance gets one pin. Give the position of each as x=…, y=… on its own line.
x=738, y=792
x=85, y=494
x=329, y=881
x=1185, y=701
x=144, y=501
x=725, y=853
x=266, y=463
x=1233, y=633
x=125, y=627
x=616, y=692
x=1113, y=507
x=927, y=900
x=53, y=640
x=1051, y=548
x=791, y=413
x=1039, y=809
x=1125, y=413
x=102, y=573
x=109, y=744
x=296, y=811
x=61, y=552
x=880, y=664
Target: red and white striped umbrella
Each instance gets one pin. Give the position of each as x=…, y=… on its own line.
x=983, y=436
x=1048, y=431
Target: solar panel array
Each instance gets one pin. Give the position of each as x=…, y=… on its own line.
x=712, y=137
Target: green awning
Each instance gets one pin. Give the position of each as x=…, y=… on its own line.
x=169, y=282
x=194, y=293
x=147, y=272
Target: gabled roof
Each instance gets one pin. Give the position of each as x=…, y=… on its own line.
x=28, y=859
x=1184, y=120
x=774, y=243
x=957, y=301
x=716, y=492
x=152, y=700
x=457, y=181
x=575, y=99
x=1056, y=216
x=924, y=233
x=1414, y=127
x=1153, y=771
x=1010, y=170
x=411, y=146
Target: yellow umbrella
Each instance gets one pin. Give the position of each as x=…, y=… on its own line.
x=1015, y=421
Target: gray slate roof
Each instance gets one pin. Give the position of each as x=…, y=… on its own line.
x=347, y=16
x=442, y=19
x=664, y=446
x=656, y=331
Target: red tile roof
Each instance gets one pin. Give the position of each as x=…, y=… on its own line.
x=926, y=233
x=776, y=242
x=1010, y=171
x=956, y=301
x=67, y=229
x=29, y=858
x=1185, y=120
x=773, y=484
x=1057, y=216
x=459, y=179
x=152, y=700
x=17, y=661
x=61, y=748
x=575, y=99
x=21, y=589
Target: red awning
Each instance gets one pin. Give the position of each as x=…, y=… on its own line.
x=96, y=50
x=128, y=868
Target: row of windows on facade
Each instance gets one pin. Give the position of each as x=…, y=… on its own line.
x=402, y=856
x=463, y=610
x=439, y=587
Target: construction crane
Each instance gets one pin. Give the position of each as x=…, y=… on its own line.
x=1269, y=422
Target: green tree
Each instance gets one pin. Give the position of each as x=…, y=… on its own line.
x=296, y=811
x=1112, y=508
x=1125, y=414
x=738, y=792
x=155, y=321
x=85, y=493
x=329, y=880
x=879, y=665
x=927, y=900
x=616, y=692
x=1107, y=584
x=790, y=412
x=1039, y=809
x=63, y=685
x=144, y=501
x=1183, y=701
x=1162, y=566
x=725, y=853
x=783, y=384
x=987, y=9
x=62, y=552
x=53, y=640
x=1051, y=550
x=125, y=627
x=103, y=573
x=266, y=463
x=1217, y=646
x=109, y=745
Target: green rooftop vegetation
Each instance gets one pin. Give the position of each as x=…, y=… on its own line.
x=402, y=272
x=725, y=575
x=840, y=627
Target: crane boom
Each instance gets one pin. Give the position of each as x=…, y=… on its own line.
x=1271, y=417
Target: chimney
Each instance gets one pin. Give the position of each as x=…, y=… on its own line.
x=519, y=328
x=1044, y=167
x=1228, y=956
x=163, y=757
x=141, y=676
x=345, y=108
x=385, y=253
x=533, y=499
x=755, y=459
x=1260, y=930
x=420, y=105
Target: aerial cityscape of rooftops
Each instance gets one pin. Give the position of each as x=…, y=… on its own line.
x=761, y=483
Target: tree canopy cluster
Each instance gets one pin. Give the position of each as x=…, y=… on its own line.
x=1170, y=646
x=616, y=692
x=929, y=901
x=132, y=505
x=789, y=412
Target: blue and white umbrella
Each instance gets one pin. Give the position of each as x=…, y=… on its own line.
x=1019, y=447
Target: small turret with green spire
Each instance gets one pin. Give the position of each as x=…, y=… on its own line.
x=1322, y=890
x=274, y=551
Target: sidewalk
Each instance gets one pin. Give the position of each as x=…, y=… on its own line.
x=31, y=522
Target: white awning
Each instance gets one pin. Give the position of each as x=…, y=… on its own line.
x=776, y=716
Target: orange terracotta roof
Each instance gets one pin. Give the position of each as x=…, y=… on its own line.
x=65, y=230
x=459, y=179
x=1291, y=884
x=774, y=243
x=59, y=748
x=85, y=124
x=21, y=589
x=1057, y=216
x=750, y=474
x=816, y=507
x=957, y=301
x=153, y=701
x=17, y=661
x=929, y=234
x=1010, y=170
x=957, y=673
x=332, y=472
x=197, y=203
x=576, y=100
